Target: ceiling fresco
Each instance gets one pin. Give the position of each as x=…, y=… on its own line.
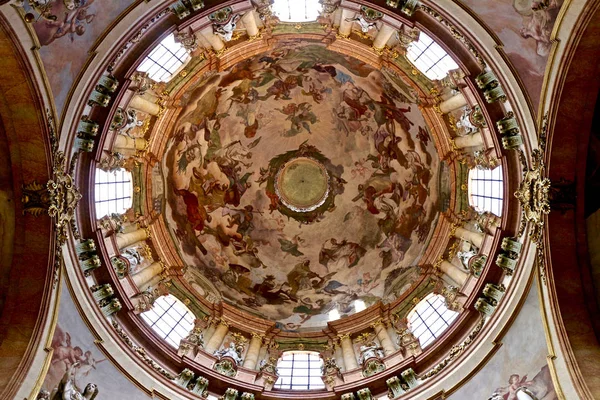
x=299, y=181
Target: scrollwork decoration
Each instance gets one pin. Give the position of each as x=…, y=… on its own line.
x=455, y=351
x=59, y=197
x=533, y=194
x=455, y=33
x=141, y=352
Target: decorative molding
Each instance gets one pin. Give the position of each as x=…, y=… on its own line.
x=533, y=195
x=455, y=33
x=136, y=38
x=140, y=351
x=455, y=351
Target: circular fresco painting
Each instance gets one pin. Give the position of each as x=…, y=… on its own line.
x=299, y=181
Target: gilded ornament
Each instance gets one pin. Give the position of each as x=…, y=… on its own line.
x=59, y=197
x=533, y=195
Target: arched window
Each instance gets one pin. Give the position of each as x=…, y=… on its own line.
x=300, y=370
x=164, y=60
x=296, y=10
x=112, y=192
x=430, y=318
x=170, y=319
x=430, y=58
x=486, y=190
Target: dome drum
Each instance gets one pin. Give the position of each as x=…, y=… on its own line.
x=293, y=183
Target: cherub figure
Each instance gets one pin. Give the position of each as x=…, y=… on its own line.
x=515, y=382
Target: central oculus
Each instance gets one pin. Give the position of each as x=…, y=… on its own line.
x=302, y=184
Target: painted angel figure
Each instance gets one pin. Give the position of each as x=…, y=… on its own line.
x=510, y=392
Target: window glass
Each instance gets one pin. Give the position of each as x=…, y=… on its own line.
x=170, y=319
x=486, y=190
x=164, y=60
x=430, y=318
x=359, y=305
x=296, y=10
x=112, y=192
x=430, y=58
x=299, y=370
x=334, y=314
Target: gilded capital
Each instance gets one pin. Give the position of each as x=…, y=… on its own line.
x=379, y=321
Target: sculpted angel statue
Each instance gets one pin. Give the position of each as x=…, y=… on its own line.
x=68, y=390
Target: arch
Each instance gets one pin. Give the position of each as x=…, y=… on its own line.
x=569, y=271
x=26, y=249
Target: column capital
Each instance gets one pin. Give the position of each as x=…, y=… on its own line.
x=379, y=321
x=224, y=323
x=344, y=336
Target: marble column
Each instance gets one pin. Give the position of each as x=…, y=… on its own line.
x=127, y=239
x=348, y=352
x=144, y=105
x=384, y=34
x=129, y=227
x=217, y=338
x=146, y=275
x=454, y=272
x=129, y=143
x=339, y=357
x=384, y=338
x=151, y=283
x=253, y=351
x=346, y=26
x=249, y=21
x=476, y=238
x=215, y=40
x=469, y=140
x=453, y=103
x=264, y=348
x=208, y=332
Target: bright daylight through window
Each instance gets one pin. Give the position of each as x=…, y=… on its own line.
x=486, y=190
x=170, y=319
x=164, y=60
x=430, y=58
x=430, y=318
x=112, y=192
x=296, y=10
x=300, y=370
